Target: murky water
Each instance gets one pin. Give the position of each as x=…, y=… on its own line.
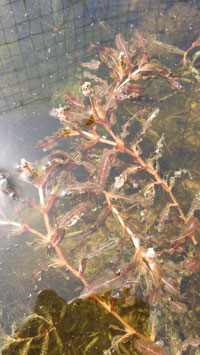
x=42, y=45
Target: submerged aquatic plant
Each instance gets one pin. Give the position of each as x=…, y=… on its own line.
x=106, y=185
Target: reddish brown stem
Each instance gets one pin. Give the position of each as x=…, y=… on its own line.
x=122, y=321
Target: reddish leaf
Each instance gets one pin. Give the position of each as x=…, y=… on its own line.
x=94, y=64
x=37, y=275
x=194, y=44
x=153, y=67
x=153, y=298
x=107, y=58
x=140, y=200
x=75, y=116
x=191, y=225
x=134, y=89
x=103, y=283
x=192, y=264
x=178, y=307
x=141, y=41
x=147, y=123
x=95, y=78
x=82, y=266
x=123, y=47
x=127, y=124
x=110, y=102
x=130, y=92
x=66, y=219
x=58, y=236
x=113, y=118
x=104, y=166
x=175, y=84
x=78, y=102
x=90, y=231
x=48, y=142
x=88, y=166
x=169, y=285
x=148, y=348
x=80, y=187
x=188, y=342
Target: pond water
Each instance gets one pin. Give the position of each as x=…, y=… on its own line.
x=43, y=44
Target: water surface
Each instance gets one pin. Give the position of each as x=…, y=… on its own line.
x=42, y=45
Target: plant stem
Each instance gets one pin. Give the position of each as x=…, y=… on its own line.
x=130, y=329
x=45, y=214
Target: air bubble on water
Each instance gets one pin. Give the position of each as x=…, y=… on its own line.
x=35, y=288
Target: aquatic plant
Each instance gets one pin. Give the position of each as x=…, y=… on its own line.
x=106, y=185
